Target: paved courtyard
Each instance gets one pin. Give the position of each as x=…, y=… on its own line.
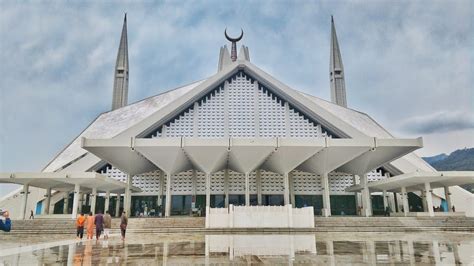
x=174, y=249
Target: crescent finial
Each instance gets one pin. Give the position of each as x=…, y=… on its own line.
x=234, y=39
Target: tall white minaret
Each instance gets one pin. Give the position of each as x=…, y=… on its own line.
x=336, y=71
x=120, y=94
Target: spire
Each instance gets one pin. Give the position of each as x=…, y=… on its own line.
x=336, y=71
x=120, y=93
x=224, y=58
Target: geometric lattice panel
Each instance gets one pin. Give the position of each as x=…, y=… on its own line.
x=375, y=176
x=217, y=183
x=182, y=183
x=272, y=183
x=148, y=182
x=338, y=182
x=306, y=183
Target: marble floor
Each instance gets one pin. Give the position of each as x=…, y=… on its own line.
x=354, y=248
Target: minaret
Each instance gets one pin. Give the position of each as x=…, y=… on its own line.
x=120, y=94
x=336, y=71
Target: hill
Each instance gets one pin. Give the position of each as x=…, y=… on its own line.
x=459, y=160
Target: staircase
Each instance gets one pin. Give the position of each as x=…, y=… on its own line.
x=196, y=225
x=393, y=224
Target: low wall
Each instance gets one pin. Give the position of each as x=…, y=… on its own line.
x=260, y=217
x=261, y=245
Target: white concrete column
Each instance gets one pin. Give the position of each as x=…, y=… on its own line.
x=292, y=189
x=326, y=211
x=81, y=201
x=75, y=200
x=47, y=202
x=168, y=195
x=107, y=201
x=127, y=204
x=391, y=202
x=93, y=197
x=286, y=189
x=366, y=202
x=404, y=196
x=208, y=189
x=25, y=201
x=117, y=205
x=226, y=187
x=259, y=187
x=423, y=200
x=66, y=202
x=247, y=189
x=385, y=200
x=447, y=195
x=429, y=199
x=161, y=190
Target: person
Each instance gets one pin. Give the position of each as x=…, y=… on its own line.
x=80, y=221
x=107, y=224
x=90, y=225
x=123, y=224
x=387, y=211
x=453, y=208
x=32, y=215
x=7, y=225
x=99, y=224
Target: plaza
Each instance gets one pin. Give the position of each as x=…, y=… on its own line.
x=322, y=248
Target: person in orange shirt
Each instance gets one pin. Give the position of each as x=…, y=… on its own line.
x=90, y=226
x=80, y=225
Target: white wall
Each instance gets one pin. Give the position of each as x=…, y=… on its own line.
x=260, y=217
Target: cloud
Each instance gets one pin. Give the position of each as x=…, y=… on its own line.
x=440, y=122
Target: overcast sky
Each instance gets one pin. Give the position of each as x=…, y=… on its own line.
x=408, y=64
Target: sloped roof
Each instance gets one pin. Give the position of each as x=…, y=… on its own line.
x=109, y=124
x=364, y=123
x=134, y=118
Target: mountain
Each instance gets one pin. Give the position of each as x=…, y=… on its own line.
x=435, y=158
x=459, y=160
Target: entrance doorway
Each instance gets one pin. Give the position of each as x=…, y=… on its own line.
x=310, y=200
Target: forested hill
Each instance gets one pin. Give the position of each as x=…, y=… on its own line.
x=460, y=160
x=457, y=160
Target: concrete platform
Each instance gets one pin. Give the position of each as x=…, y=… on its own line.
x=197, y=224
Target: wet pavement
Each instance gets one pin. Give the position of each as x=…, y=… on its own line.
x=183, y=249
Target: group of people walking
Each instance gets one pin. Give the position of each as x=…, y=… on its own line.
x=101, y=223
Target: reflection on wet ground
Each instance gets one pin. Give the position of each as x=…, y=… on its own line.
x=320, y=248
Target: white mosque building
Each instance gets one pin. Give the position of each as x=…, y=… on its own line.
x=239, y=137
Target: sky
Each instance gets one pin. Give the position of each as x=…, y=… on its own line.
x=408, y=64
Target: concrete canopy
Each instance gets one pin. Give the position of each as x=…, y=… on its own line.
x=245, y=155
x=384, y=151
x=416, y=180
x=208, y=155
x=336, y=153
x=66, y=181
x=166, y=153
x=120, y=154
x=279, y=155
x=291, y=152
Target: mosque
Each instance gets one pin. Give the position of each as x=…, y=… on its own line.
x=239, y=137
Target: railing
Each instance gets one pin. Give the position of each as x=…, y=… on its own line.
x=260, y=217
